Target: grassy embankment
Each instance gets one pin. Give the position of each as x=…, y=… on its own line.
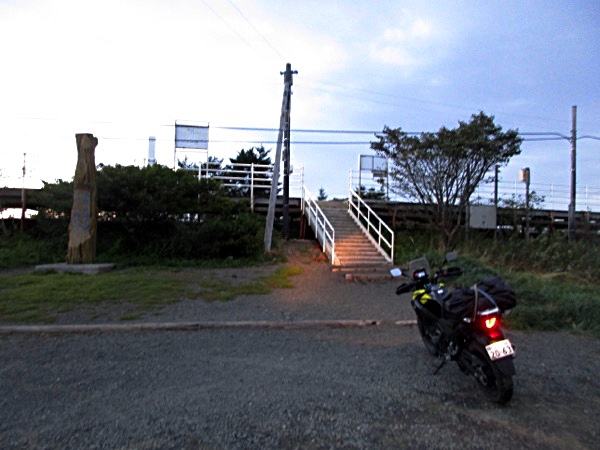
x=37, y=297
x=556, y=282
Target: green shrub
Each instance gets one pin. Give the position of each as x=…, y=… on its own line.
x=23, y=250
x=149, y=215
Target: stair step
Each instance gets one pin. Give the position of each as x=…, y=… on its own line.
x=357, y=258
x=364, y=253
x=373, y=269
x=361, y=262
x=355, y=248
x=361, y=257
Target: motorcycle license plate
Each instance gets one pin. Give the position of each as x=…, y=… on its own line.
x=500, y=349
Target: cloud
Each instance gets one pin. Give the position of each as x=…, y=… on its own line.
x=406, y=46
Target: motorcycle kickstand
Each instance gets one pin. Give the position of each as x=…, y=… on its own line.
x=450, y=352
x=444, y=361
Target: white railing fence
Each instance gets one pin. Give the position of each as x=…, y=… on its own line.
x=556, y=196
x=253, y=177
x=323, y=229
x=375, y=228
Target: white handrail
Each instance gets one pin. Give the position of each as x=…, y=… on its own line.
x=251, y=176
x=322, y=227
x=374, y=224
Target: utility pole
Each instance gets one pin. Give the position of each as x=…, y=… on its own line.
x=23, y=201
x=573, y=174
x=287, y=92
x=526, y=178
x=496, y=175
x=288, y=81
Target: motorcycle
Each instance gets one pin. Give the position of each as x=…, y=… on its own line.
x=464, y=324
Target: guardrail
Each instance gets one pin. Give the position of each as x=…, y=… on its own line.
x=321, y=226
x=376, y=229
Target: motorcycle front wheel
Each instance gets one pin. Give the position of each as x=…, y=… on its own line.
x=431, y=335
x=496, y=386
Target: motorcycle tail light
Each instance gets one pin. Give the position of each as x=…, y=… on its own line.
x=491, y=325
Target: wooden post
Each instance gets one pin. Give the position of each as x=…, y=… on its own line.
x=283, y=128
x=268, y=238
x=288, y=81
x=83, y=225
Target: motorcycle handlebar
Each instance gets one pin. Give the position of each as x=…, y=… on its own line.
x=404, y=288
x=444, y=273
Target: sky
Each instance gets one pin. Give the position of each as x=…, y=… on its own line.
x=126, y=70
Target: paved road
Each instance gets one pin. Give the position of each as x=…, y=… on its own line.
x=354, y=388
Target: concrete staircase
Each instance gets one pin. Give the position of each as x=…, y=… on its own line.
x=357, y=258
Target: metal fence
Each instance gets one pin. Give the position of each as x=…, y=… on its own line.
x=252, y=178
x=324, y=231
x=374, y=227
x=553, y=196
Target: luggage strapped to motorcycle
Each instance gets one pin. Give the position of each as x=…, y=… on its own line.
x=476, y=302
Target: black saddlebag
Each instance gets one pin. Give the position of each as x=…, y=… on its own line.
x=502, y=294
x=461, y=302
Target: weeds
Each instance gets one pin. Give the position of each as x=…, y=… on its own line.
x=555, y=281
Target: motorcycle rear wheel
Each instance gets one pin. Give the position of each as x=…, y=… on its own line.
x=497, y=386
x=431, y=335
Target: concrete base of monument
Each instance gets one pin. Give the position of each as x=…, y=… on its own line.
x=87, y=269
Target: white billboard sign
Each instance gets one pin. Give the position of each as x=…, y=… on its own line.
x=482, y=216
x=375, y=164
x=191, y=136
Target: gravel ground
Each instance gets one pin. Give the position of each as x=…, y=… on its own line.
x=316, y=388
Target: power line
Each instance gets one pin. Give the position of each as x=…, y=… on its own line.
x=527, y=136
x=545, y=133
x=531, y=138
x=228, y=24
x=298, y=130
x=256, y=29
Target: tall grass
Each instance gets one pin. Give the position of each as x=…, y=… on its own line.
x=556, y=281
x=22, y=250
x=546, y=254
x=19, y=250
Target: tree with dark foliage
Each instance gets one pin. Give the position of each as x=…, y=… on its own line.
x=259, y=157
x=442, y=170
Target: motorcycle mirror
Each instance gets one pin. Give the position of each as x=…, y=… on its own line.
x=396, y=272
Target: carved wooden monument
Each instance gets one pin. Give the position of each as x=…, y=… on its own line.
x=83, y=225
